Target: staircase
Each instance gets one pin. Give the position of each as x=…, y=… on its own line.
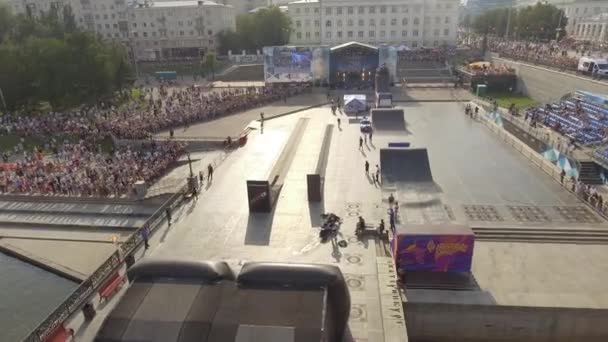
x=589, y=173
x=542, y=235
x=423, y=72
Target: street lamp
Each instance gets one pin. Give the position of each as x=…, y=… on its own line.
x=2, y=98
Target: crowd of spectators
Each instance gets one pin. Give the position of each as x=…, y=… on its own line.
x=579, y=120
x=589, y=194
x=78, y=166
x=189, y=105
x=77, y=170
x=563, y=54
x=488, y=69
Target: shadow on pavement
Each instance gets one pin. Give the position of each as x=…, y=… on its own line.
x=259, y=227
x=316, y=209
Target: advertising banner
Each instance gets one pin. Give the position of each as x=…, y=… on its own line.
x=434, y=253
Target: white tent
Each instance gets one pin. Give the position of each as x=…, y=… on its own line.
x=354, y=103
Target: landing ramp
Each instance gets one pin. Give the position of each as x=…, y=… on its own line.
x=408, y=165
x=388, y=120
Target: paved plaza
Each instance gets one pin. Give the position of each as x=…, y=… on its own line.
x=478, y=180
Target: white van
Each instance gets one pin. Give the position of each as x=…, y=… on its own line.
x=593, y=66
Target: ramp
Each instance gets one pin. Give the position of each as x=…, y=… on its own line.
x=388, y=120
x=405, y=166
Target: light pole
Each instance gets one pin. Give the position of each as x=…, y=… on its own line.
x=2, y=98
x=321, y=19
x=508, y=23
x=559, y=24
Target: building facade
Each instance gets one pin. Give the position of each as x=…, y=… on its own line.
x=583, y=16
x=152, y=30
x=177, y=29
x=477, y=7
x=592, y=29
x=414, y=23
x=245, y=6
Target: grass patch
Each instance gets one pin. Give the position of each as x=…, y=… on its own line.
x=505, y=99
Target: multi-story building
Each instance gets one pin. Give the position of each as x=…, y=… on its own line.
x=593, y=28
x=477, y=7
x=413, y=23
x=583, y=16
x=245, y=6
x=176, y=29
x=35, y=7
x=151, y=29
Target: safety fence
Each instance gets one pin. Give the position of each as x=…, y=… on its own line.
x=92, y=285
x=549, y=64
x=537, y=160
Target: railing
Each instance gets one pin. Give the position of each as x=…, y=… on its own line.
x=536, y=132
x=75, y=301
x=538, y=61
x=538, y=160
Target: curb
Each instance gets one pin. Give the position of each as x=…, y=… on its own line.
x=74, y=213
x=276, y=116
x=49, y=226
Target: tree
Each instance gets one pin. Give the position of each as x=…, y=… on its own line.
x=6, y=21
x=266, y=27
x=69, y=21
x=210, y=64
x=540, y=21
x=47, y=59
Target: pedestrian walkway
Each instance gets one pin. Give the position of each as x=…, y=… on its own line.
x=233, y=125
x=176, y=179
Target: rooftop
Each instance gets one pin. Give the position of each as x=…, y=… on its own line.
x=177, y=3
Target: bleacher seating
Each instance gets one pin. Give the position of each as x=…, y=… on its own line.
x=588, y=127
x=602, y=154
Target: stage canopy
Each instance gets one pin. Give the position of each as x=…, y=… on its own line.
x=354, y=103
x=353, y=45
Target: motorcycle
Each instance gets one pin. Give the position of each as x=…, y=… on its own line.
x=331, y=221
x=330, y=226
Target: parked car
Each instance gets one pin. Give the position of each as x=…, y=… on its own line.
x=593, y=66
x=365, y=125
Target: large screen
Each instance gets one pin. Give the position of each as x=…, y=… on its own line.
x=296, y=63
x=287, y=64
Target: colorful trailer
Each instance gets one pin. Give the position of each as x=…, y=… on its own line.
x=433, y=248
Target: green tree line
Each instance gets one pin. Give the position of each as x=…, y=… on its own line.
x=540, y=21
x=266, y=27
x=46, y=58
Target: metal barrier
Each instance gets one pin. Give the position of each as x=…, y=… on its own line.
x=538, y=160
x=75, y=301
x=572, y=70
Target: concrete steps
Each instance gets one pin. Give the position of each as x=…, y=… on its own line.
x=71, y=220
x=542, y=235
x=59, y=208
x=589, y=173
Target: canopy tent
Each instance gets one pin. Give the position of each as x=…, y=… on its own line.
x=564, y=163
x=552, y=154
x=355, y=103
